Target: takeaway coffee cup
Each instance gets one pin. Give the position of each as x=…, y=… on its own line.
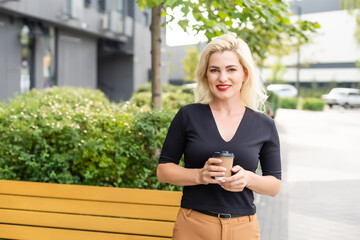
x=227, y=162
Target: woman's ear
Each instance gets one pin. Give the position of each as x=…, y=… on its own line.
x=246, y=77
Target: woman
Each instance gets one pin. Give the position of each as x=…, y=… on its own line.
x=226, y=117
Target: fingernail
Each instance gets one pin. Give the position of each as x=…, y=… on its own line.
x=222, y=173
x=224, y=169
x=223, y=180
x=219, y=160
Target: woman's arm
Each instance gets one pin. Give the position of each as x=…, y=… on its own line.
x=177, y=175
x=265, y=185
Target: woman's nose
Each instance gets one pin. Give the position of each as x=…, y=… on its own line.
x=223, y=76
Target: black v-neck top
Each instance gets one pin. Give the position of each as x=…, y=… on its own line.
x=194, y=133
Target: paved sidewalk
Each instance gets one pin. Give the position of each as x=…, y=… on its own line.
x=321, y=162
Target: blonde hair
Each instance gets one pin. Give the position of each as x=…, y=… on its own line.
x=253, y=94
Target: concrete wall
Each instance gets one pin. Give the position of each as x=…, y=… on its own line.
x=76, y=59
x=142, y=55
x=77, y=56
x=116, y=74
x=174, y=61
x=56, y=11
x=330, y=56
x=10, y=58
x=314, y=6
x=86, y=55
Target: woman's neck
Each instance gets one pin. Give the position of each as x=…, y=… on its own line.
x=231, y=106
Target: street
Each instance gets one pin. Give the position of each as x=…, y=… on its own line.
x=321, y=162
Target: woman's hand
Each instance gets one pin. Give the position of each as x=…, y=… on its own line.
x=237, y=182
x=210, y=170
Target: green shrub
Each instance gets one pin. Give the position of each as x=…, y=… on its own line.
x=313, y=104
x=308, y=92
x=76, y=136
x=272, y=103
x=146, y=87
x=287, y=103
x=173, y=97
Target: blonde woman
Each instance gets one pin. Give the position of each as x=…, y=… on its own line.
x=227, y=116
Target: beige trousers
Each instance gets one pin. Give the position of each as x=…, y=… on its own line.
x=192, y=225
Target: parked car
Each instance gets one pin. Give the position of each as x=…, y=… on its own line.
x=283, y=90
x=346, y=97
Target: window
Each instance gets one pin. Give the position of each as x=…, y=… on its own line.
x=87, y=3
x=75, y=9
x=102, y=5
x=49, y=57
x=118, y=5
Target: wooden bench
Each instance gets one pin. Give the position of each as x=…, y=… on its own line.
x=30, y=210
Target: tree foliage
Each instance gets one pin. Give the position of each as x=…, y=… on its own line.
x=354, y=8
x=265, y=24
x=190, y=62
x=76, y=136
x=278, y=70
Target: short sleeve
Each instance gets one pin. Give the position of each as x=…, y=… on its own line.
x=174, y=143
x=270, y=159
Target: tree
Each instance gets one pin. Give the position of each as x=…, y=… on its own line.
x=190, y=63
x=263, y=24
x=354, y=8
x=277, y=71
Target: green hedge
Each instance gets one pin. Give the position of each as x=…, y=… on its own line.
x=173, y=97
x=170, y=100
x=272, y=103
x=74, y=135
x=313, y=104
x=287, y=103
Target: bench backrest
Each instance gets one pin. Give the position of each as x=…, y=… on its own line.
x=30, y=210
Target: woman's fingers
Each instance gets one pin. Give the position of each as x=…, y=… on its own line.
x=236, y=169
x=237, y=182
x=210, y=170
x=211, y=161
x=239, y=173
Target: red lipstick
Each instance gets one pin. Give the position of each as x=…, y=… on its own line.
x=223, y=87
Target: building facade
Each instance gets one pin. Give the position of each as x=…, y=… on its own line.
x=329, y=59
x=102, y=44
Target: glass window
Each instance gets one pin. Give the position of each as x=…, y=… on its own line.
x=49, y=64
x=27, y=58
x=87, y=3
x=101, y=5
x=119, y=5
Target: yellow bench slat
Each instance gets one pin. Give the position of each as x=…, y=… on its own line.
x=89, y=207
x=111, y=194
x=81, y=222
x=39, y=233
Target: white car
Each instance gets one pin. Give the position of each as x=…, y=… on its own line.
x=283, y=90
x=346, y=97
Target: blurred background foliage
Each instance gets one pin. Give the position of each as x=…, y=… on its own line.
x=76, y=136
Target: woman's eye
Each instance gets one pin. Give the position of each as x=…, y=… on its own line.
x=232, y=70
x=213, y=70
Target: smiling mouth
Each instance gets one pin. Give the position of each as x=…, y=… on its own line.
x=223, y=87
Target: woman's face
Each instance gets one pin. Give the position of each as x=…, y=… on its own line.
x=225, y=75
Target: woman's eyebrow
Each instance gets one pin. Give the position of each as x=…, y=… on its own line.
x=225, y=67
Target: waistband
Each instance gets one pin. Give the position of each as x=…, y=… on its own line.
x=218, y=215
